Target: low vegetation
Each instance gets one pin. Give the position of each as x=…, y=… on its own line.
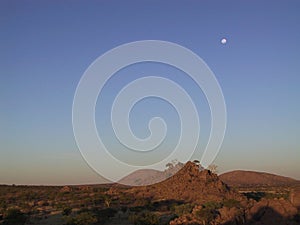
x=193, y=196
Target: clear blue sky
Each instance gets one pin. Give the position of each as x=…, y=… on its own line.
x=45, y=47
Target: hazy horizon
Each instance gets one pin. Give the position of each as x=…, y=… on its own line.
x=46, y=47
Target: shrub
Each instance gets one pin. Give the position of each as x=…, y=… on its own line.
x=67, y=211
x=144, y=218
x=109, y=212
x=257, y=196
x=209, y=211
x=212, y=205
x=276, y=195
x=69, y=220
x=297, y=218
x=180, y=210
x=230, y=203
x=104, y=214
x=3, y=206
x=14, y=216
x=84, y=218
x=206, y=215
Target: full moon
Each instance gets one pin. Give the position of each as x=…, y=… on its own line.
x=223, y=41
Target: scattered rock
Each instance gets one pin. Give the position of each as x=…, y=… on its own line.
x=66, y=189
x=295, y=197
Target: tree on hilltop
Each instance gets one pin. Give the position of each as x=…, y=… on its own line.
x=213, y=168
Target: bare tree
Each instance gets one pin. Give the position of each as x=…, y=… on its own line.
x=213, y=168
x=169, y=165
x=107, y=201
x=174, y=162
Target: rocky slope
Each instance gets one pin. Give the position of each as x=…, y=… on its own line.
x=189, y=185
x=214, y=202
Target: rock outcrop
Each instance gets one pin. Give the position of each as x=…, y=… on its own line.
x=189, y=185
x=271, y=211
x=66, y=189
x=295, y=197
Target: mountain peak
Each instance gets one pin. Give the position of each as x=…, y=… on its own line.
x=194, y=169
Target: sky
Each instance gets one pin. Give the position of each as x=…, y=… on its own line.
x=46, y=46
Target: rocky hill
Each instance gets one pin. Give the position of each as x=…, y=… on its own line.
x=213, y=201
x=241, y=178
x=189, y=185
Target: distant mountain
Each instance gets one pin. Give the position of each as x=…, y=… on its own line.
x=150, y=176
x=240, y=178
x=143, y=177
x=237, y=178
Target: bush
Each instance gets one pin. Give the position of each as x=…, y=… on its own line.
x=230, y=203
x=107, y=213
x=212, y=205
x=206, y=215
x=144, y=218
x=209, y=211
x=180, y=210
x=297, y=218
x=84, y=218
x=277, y=195
x=3, y=205
x=257, y=196
x=67, y=211
x=69, y=220
x=14, y=216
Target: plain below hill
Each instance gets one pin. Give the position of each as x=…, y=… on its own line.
x=240, y=178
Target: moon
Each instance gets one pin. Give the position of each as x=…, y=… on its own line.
x=224, y=41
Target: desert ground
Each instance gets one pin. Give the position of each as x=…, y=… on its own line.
x=191, y=196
